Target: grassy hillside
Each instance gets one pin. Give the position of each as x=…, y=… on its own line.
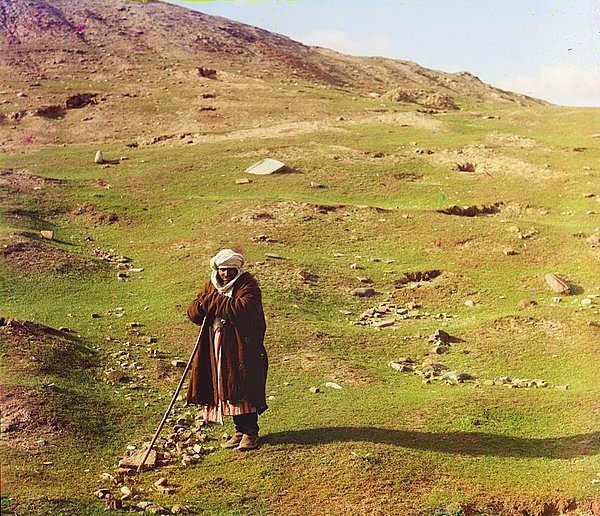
x=387, y=442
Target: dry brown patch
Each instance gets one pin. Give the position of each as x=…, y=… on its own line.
x=35, y=348
x=27, y=254
x=489, y=161
x=25, y=418
x=447, y=290
x=93, y=215
x=23, y=181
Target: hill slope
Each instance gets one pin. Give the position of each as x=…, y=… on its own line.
x=49, y=36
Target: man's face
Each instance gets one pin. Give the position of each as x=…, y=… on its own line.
x=226, y=274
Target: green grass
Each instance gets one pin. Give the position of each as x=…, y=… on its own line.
x=430, y=449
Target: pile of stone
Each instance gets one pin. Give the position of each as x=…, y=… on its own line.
x=186, y=441
x=386, y=314
x=516, y=383
x=123, y=263
x=430, y=370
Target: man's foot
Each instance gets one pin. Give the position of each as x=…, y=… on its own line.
x=233, y=442
x=248, y=442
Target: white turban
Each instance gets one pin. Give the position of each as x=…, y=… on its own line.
x=227, y=258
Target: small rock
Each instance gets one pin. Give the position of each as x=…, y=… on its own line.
x=126, y=491
x=557, y=284
x=315, y=390
x=49, y=235
x=333, y=385
x=384, y=323
x=178, y=363
x=556, y=299
x=457, y=377
x=316, y=185
x=101, y=493
x=585, y=302
x=143, y=505
x=135, y=459
x=99, y=158
x=162, y=481
x=364, y=279
x=510, y=252
x=363, y=292
x=526, y=303
x=242, y=181
x=439, y=350
x=441, y=336
x=561, y=387
x=469, y=303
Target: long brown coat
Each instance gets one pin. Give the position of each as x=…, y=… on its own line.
x=243, y=355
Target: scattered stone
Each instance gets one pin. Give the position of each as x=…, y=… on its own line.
x=364, y=279
x=114, y=375
x=363, y=292
x=556, y=299
x=439, y=350
x=99, y=158
x=162, y=481
x=135, y=459
x=333, y=385
x=179, y=509
x=49, y=235
x=403, y=365
x=243, y=181
x=178, y=363
x=127, y=492
x=526, y=303
x=315, y=390
x=143, y=505
x=585, y=302
x=384, y=323
x=557, y=284
x=510, y=252
x=456, y=377
x=469, y=303
x=441, y=336
x=101, y=493
x=122, y=275
x=316, y=185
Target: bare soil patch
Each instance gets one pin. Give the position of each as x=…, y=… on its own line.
x=472, y=211
x=490, y=160
x=28, y=254
x=23, y=181
x=25, y=418
x=444, y=291
x=40, y=349
x=94, y=216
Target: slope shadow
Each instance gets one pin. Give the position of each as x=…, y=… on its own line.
x=460, y=443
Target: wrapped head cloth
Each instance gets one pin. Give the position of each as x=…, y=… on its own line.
x=227, y=258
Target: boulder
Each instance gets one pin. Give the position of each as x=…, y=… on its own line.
x=557, y=284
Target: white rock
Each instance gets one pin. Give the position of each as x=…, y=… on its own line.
x=99, y=158
x=333, y=385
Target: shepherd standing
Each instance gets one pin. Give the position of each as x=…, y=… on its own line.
x=229, y=371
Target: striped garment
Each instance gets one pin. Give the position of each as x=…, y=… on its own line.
x=223, y=408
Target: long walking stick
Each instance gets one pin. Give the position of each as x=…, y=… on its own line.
x=164, y=419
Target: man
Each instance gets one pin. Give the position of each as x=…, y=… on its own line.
x=229, y=371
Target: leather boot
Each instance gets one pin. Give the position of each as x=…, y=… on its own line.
x=248, y=442
x=233, y=442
